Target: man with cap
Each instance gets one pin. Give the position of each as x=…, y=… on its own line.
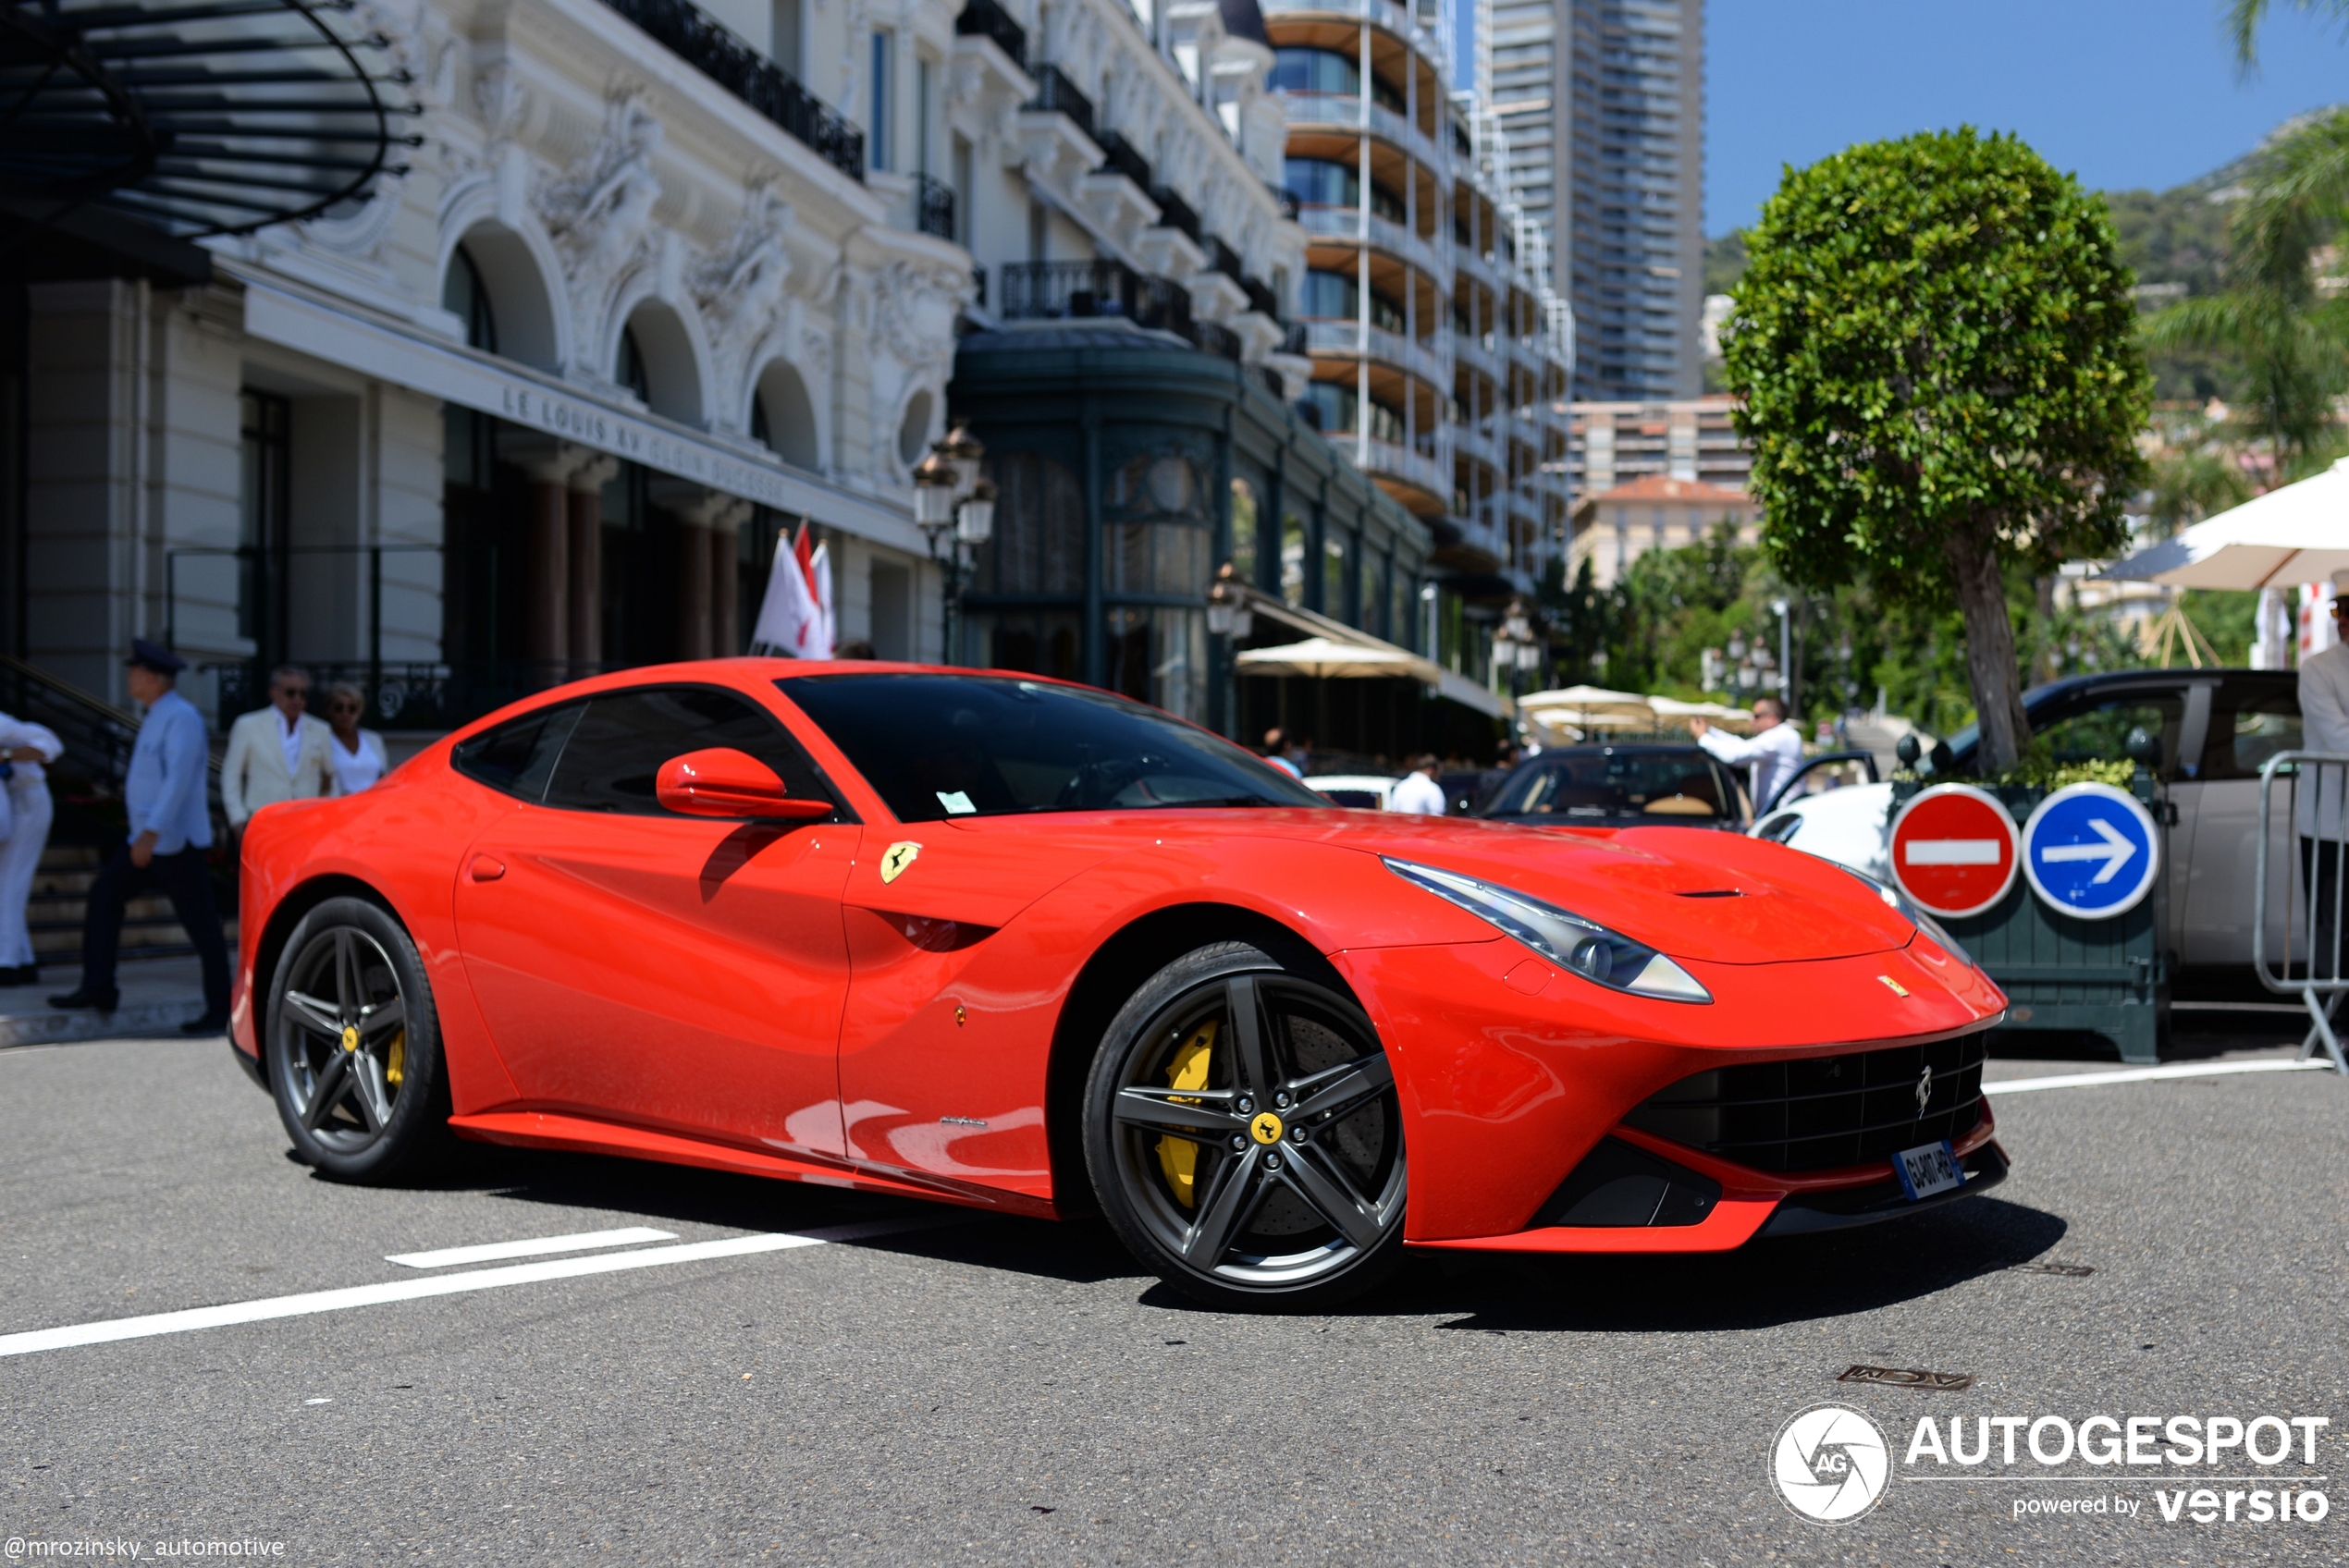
x=2324, y=726
x=170, y=830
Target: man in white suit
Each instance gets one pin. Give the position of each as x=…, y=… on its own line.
x=275, y=754
x=2324, y=719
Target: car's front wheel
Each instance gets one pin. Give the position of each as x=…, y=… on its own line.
x=1243, y=1134
x=353, y=1045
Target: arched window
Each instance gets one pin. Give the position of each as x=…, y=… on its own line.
x=1038, y=545
x=628, y=369
x=1244, y=522
x=464, y=296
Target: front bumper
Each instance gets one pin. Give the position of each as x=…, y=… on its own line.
x=1510, y=1080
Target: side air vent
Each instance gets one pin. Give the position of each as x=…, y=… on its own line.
x=1619, y=1186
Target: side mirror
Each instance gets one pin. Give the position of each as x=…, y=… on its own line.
x=722, y=781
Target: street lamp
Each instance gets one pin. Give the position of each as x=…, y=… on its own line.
x=954, y=508
x=1229, y=617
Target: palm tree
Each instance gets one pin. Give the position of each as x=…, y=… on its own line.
x=2291, y=343
x=2243, y=17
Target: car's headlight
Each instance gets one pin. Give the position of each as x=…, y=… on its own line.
x=1892, y=895
x=1567, y=940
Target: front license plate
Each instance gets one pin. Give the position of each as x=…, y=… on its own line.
x=1930, y=1169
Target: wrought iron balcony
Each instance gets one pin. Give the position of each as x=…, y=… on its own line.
x=1287, y=199
x=699, y=39
x=984, y=18
x=1120, y=156
x=1212, y=339
x=1056, y=94
x=1260, y=298
x=1174, y=212
x=1292, y=339
x=1224, y=259
x=933, y=207
x=1075, y=290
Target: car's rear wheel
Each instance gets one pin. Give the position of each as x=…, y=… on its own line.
x=354, y=1044
x=1243, y=1134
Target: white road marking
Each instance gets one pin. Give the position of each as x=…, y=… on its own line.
x=343, y=1300
x=2145, y=1074
x=490, y=1252
x=1951, y=852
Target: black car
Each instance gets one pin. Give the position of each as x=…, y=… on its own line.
x=1655, y=782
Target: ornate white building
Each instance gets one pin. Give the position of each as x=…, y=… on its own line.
x=652, y=284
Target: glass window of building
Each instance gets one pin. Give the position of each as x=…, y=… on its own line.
x=1158, y=530
x=1335, y=557
x=1039, y=542
x=464, y=296
x=1292, y=556
x=1340, y=411
x=1244, y=522
x=1326, y=72
x=265, y=491
x=876, y=138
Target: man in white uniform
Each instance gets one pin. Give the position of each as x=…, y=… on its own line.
x=2324, y=727
x=1776, y=750
x=25, y=750
x=275, y=754
x=1418, y=792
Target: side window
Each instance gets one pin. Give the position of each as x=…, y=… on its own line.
x=516, y=757
x=2248, y=725
x=2099, y=731
x=620, y=741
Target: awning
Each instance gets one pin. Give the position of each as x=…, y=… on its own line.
x=393, y=351
x=2296, y=534
x=1324, y=660
x=1391, y=660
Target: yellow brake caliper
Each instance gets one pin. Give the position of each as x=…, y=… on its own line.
x=1179, y=1157
x=395, y=1058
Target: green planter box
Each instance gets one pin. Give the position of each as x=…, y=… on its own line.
x=2109, y=977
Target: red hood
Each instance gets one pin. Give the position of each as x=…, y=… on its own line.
x=1694, y=893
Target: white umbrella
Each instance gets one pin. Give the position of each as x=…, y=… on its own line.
x=1721, y=713
x=1323, y=659
x=2299, y=533
x=1590, y=707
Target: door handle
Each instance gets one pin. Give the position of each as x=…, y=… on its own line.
x=486, y=868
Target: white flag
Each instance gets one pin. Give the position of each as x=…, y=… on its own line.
x=795, y=618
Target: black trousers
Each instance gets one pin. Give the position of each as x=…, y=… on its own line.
x=2319, y=872
x=187, y=882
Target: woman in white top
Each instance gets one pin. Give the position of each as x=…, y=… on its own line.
x=355, y=756
x=25, y=749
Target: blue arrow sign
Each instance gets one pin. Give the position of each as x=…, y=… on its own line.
x=2091, y=850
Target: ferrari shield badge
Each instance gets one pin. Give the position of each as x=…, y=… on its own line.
x=896, y=858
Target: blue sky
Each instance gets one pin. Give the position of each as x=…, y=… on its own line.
x=2122, y=92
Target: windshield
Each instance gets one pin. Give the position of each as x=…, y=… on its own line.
x=1611, y=783
x=935, y=746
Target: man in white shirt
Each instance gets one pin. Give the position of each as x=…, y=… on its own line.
x=1776, y=750
x=275, y=754
x=1419, y=793
x=2324, y=727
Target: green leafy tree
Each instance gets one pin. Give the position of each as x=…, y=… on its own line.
x=1935, y=359
x=2291, y=345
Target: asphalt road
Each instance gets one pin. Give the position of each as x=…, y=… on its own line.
x=982, y=1391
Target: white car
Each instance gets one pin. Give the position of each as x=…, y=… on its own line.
x=1366, y=791
x=1847, y=825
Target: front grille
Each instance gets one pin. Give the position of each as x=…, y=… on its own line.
x=1825, y=1112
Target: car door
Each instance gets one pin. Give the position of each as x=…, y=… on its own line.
x=670, y=972
x=2252, y=719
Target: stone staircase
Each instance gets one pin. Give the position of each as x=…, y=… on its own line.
x=60, y=897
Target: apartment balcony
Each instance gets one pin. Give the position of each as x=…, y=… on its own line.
x=985, y=18
x=1386, y=459
x=1353, y=224
x=1475, y=353
x=1394, y=17
x=1121, y=157
x=1376, y=343
x=933, y=202
x=1353, y=113
x=1468, y=441
x=702, y=43
x=1085, y=290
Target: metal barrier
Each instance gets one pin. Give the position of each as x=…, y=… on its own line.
x=2310, y=890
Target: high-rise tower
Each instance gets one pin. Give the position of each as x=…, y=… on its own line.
x=1601, y=103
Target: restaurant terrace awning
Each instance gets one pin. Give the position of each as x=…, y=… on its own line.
x=1352, y=654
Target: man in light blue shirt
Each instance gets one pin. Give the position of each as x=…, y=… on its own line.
x=170, y=830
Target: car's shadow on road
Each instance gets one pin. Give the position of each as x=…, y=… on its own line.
x=1761, y=1285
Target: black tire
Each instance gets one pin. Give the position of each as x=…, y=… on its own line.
x=352, y=1046
x=1199, y=1152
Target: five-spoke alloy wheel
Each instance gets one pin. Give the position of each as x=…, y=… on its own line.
x=1243, y=1134
x=354, y=1043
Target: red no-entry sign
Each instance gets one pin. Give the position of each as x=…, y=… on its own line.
x=1953, y=850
